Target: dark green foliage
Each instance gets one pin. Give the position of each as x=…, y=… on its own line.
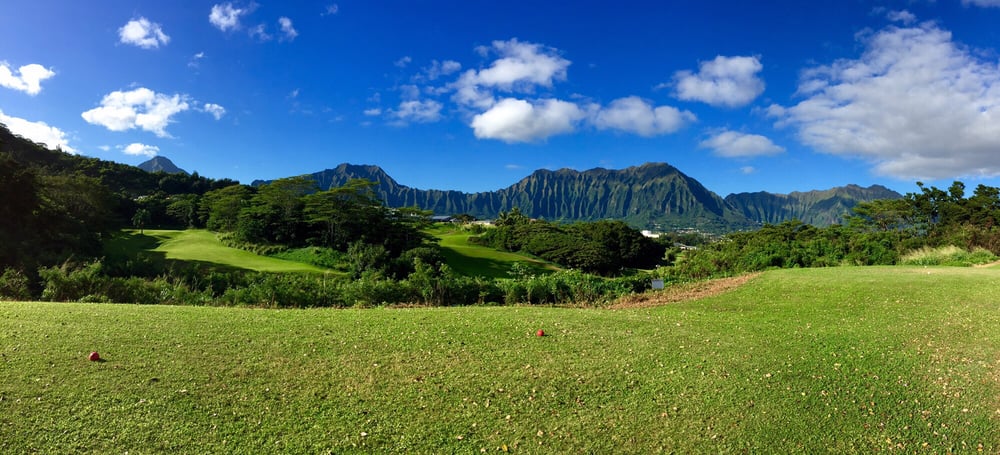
x=14, y=285
x=602, y=247
x=878, y=233
x=220, y=209
x=55, y=206
x=427, y=285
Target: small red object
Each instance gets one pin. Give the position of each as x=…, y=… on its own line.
x=94, y=356
x=540, y=333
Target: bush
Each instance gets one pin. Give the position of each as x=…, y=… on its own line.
x=948, y=255
x=70, y=282
x=14, y=285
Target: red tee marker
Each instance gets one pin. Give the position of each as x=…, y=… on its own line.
x=540, y=333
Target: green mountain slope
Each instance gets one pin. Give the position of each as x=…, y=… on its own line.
x=820, y=208
x=653, y=195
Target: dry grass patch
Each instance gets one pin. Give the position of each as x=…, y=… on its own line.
x=683, y=292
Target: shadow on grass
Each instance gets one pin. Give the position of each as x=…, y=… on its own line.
x=131, y=253
x=486, y=267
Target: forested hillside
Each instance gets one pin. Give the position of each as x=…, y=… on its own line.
x=55, y=205
x=655, y=196
x=818, y=208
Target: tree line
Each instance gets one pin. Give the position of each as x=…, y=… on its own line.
x=879, y=232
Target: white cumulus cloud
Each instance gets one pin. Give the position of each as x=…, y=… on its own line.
x=520, y=67
x=28, y=78
x=426, y=111
x=216, y=110
x=734, y=144
x=138, y=149
x=139, y=108
x=724, y=81
x=39, y=132
x=514, y=120
x=635, y=115
x=225, y=16
x=143, y=33
x=915, y=102
x=286, y=27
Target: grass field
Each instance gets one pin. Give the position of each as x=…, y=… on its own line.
x=199, y=245
x=474, y=260
x=843, y=360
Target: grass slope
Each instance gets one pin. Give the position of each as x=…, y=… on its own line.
x=845, y=360
x=476, y=260
x=203, y=246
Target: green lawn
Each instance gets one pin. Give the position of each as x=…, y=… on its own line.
x=203, y=246
x=475, y=260
x=841, y=360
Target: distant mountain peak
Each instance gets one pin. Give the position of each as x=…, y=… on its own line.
x=161, y=163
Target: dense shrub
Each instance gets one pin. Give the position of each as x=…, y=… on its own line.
x=948, y=255
x=14, y=285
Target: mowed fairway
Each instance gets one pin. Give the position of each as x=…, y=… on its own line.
x=203, y=246
x=842, y=360
x=475, y=260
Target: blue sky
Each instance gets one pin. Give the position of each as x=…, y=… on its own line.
x=773, y=96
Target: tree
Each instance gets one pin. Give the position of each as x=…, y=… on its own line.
x=220, y=209
x=184, y=209
x=140, y=219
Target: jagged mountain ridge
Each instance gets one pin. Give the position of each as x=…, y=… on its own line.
x=160, y=163
x=653, y=195
x=818, y=207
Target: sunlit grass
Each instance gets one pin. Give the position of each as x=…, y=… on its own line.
x=203, y=246
x=852, y=360
x=476, y=260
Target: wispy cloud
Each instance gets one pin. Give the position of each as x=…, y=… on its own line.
x=216, y=110
x=403, y=61
x=288, y=31
x=196, y=60
x=415, y=111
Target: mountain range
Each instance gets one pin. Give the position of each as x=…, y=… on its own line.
x=653, y=196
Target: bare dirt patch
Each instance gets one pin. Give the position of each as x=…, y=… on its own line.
x=682, y=292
